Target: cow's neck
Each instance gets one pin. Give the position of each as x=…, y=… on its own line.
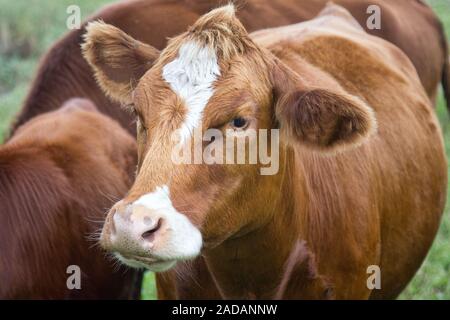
x=251, y=266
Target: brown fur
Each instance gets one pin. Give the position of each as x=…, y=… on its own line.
x=301, y=280
x=121, y=50
x=446, y=82
x=58, y=175
x=64, y=73
x=327, y=120
x=377, y=201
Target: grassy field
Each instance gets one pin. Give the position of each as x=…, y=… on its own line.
x=27, y=29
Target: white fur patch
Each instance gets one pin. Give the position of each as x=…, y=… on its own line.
x=192, y=75
x=183, y=240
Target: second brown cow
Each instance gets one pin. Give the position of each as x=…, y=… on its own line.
x=59, y=173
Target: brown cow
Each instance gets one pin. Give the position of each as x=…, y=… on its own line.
x=352, y=195
x=63, y=73
x=58, y=175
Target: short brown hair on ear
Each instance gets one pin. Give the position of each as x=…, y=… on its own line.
x=118, y=60
x=322, y=118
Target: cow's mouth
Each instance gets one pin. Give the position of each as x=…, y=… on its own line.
x=140, y=262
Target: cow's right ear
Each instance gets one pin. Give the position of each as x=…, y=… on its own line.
x=118, y=60
x=318, y=113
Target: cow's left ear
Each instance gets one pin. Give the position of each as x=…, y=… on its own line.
x=321, y=117
x=118, y=60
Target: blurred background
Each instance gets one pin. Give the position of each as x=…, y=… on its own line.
x=29, y=27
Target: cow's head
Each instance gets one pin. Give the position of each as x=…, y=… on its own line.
x=211, y=77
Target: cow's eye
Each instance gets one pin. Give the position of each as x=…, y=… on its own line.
x=239, y=123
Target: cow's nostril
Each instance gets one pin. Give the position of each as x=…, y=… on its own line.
x=149, y=235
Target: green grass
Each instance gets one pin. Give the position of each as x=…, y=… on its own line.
x=148, y=291
x=27, y=30
x=442, y=8
x=29, y=27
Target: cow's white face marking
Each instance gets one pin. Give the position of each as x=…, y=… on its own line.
x=192, y=75
x=180, y=239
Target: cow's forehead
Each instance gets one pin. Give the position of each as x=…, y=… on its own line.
x=191, y=75
x=185, y=79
